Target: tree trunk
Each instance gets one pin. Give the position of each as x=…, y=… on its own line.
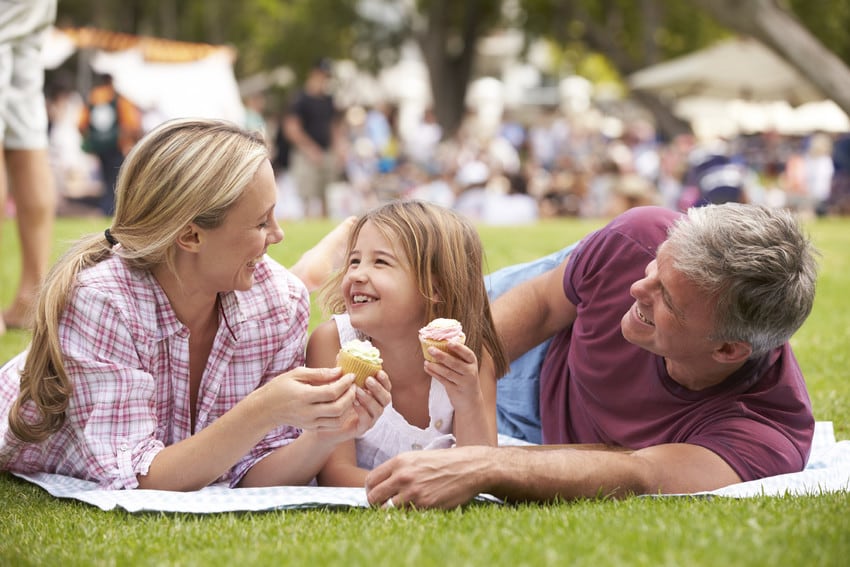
x=449, y=59
x=668, y=124
x=779, y=30
x=603, y=40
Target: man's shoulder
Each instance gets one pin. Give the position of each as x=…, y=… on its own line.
x=647, y=216
x=645, y=226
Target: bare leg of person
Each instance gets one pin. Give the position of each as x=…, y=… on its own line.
x=3, y=196
x=31, y=186
x=318, y=263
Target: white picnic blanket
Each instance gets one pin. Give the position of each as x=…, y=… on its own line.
x=828, y=470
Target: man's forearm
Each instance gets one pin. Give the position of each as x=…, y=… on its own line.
x=550, y=473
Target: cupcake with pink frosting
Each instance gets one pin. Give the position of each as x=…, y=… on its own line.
x=439, y=333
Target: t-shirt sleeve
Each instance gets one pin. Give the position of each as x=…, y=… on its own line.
x=615, y=256
x=754, y=450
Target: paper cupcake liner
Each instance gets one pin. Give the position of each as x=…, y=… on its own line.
x=442, y=345
x=360, y=368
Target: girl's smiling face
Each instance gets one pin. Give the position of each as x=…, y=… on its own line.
x=380, y=292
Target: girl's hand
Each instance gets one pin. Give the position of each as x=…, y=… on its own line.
x=457, y=371
x=371, y=401
x=368, y=405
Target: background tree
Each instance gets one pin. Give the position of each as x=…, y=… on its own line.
x=779, y=29
x=631, y=34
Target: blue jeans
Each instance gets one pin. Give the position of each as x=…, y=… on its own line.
x=518, y=392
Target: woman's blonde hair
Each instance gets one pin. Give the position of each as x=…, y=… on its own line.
x=185, y=171
x=446, y=255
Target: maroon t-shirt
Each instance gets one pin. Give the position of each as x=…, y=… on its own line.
x=596, y=387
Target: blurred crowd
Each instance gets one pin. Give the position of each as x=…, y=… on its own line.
x=534, y=163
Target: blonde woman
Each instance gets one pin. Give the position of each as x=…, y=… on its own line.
x=167, y=351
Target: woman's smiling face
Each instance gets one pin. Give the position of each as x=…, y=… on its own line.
x=231, y=252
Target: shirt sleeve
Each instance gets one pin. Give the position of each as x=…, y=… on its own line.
x=753, y=449
x=291, y=335
x=112, y=407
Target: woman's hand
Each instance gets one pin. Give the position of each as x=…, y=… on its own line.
x=309, y=398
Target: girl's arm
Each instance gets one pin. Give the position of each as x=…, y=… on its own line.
x=471, y=391
x=341, y=468
x=311, y=451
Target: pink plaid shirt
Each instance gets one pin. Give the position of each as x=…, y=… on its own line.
x=127, y=356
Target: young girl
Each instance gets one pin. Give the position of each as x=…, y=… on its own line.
x=409, y=262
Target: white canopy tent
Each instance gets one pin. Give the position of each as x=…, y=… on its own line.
x=166, y=79
x=732, y=69
x=740, y=86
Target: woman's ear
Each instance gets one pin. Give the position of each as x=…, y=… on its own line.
x=190, y=238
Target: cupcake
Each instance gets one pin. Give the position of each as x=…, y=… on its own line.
x=438, y=333
x=360, y=358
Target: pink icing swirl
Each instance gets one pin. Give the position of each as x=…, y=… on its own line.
x=442, y=330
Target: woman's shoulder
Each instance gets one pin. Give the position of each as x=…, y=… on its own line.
x=114, y=279
x=112, y=293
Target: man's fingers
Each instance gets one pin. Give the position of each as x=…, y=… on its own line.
x=378, y=489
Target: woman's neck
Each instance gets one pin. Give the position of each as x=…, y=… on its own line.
x=194, y=308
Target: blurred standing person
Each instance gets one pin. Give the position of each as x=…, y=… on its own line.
x=839, y=190
x=23, y=128
x=818, y=170
x=110, y=125
x=422, y=145
x=312, y=128
x=255, y=106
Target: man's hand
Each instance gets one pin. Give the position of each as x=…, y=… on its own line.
x=443, y=478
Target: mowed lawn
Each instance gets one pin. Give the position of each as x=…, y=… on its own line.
x=36, y=529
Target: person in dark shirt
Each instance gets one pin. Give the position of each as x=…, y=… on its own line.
x=312, y=130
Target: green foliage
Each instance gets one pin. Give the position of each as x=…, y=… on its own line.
x=828, y=20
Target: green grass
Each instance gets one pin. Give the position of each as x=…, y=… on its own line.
x=36, y=529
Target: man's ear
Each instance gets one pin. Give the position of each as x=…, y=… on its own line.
x=733, y=352
x=190, y=238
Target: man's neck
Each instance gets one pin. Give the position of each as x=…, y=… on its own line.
x=700, y=377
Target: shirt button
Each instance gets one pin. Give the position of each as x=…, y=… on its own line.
x=416, y=447
x=438, y=424
x=123, y=447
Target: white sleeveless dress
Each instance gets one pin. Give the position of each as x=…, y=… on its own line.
x=392, y=434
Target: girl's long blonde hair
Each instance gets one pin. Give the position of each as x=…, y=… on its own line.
x=184, y=171
x=447, y=259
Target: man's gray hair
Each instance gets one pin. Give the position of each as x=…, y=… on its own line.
x=755, y=262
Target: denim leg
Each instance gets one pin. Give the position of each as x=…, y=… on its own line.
x=518, y=392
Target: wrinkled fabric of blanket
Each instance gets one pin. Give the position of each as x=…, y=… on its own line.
x=828, y=470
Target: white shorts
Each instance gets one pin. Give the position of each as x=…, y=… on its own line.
x=24, y=25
